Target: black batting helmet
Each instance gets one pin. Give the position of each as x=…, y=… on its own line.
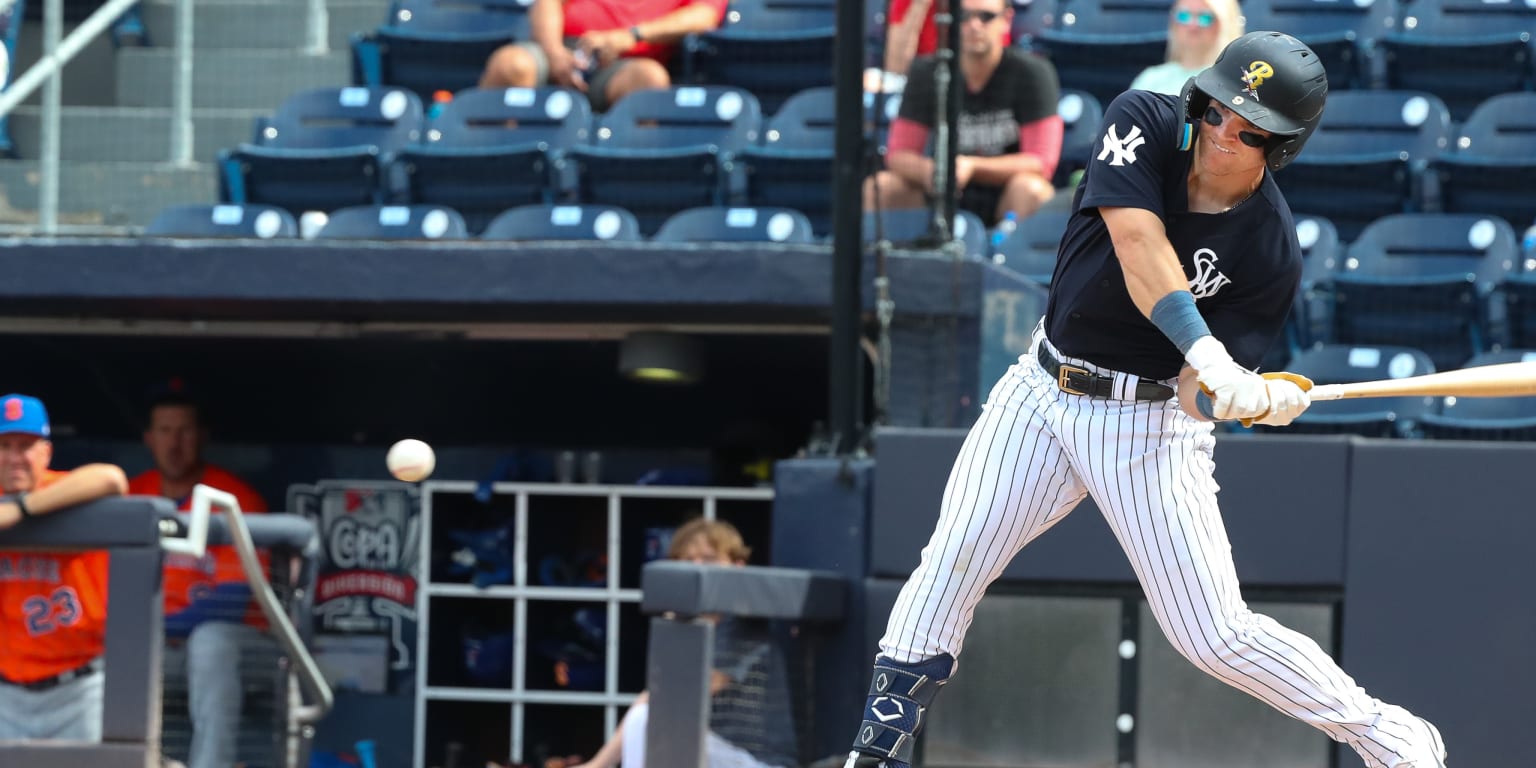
x=1274, y=81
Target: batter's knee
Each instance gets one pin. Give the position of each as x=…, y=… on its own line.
x=510, y=66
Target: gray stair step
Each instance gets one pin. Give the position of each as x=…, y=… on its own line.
x=105, y=193
x=130, y=134
x=260, y=24
x=238, y=78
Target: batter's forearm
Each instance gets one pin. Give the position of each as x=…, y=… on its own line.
x=1147, y=259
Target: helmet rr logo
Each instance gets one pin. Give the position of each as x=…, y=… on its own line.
x=1257, y=73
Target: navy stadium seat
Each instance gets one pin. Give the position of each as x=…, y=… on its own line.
x=1031, y=16
x=1464, y=51
x=223, y=220
x=772, y=48
x=911, y=228
x=437, y=45
x=1374, y=144
x=1081, y=117
x=1423, y=280
x=1031, y=249
x=564, y=222
x=1342, y=35
x=1322, y=255
x=792, y=167
x=491, y=150
x=726, y=224
x=660, y=151
x=394, y=222
x=324, y=149
x=1100, y=46
x=1492, y=167
x=1512, y=306
x=1370, y=417
x=1485, y=418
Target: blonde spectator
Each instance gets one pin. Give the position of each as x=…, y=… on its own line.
x=1197, y=31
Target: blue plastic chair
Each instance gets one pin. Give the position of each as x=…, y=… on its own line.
x=1031, y=249
x=792, y=167
x=772, y=48
x=1081, y=115
x=394, y=222
x=660, y=151
x=1484, y=418
x=1494, y=161
x=1369, y=417
x=1322, y=256
x=909, y=228
x=1031, y=16
x=1343, y=35
x=737, y=225
x=1423, y=280
x=1367, y=157
x=260, y=222
x=437, y=45
x=324, y=149
x=564, y=222
x=1464, y=51
x=491, y=150
x=1099, y=46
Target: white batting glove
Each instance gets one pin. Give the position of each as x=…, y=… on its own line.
x=1287, y=400
x=1236, y=392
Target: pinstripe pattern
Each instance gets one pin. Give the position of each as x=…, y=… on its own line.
x=1027, y=462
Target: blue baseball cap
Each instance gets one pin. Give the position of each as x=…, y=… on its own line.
x=23, y=414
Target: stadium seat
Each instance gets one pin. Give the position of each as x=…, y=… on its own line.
x=564, y=222
x=1370, y=417
x=1464, y=51
x=1512, y=307
x=436, y=45
x=1341, y=34
x=204, y=220
x=1031, y=249
x=910, y=228
x=772, y=48
x=660, y=151
x=1081, y=116
x=491, y=150
x=394, y=222
x=1423, y=280
x=1374, y=144
x=1031, y=16
x=326, y=148
x=1322, y=255
x=724, y=224
x=792, y=167
x=1100, y=46
x=1484, y=418
x=1494, y=161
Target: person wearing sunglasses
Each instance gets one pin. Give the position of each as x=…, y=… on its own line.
x=1197, y=31
x=1009, y=137
x=1175, y=275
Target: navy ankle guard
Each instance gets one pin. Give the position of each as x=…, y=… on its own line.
x=898, y=695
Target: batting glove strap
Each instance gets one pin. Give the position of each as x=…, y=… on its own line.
x=910, y=681
x=880, y=739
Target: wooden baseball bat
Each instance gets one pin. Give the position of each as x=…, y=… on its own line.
x=1503, y=380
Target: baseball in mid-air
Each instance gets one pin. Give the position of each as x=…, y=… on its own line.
x=410, y=460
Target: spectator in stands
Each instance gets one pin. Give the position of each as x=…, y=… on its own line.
x=1009, y=133
x=1198, y=30
x=606, y=48
x=210, y=619
x=750, y=725
x=910, y=32
x=53, y=615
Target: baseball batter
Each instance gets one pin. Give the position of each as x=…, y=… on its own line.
x=1173, y=278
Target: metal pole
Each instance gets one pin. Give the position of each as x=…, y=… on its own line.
x=38, y=73
x=181, y=87
x=946, y=82
x=846, y=366
x=48, y=185
x=317, y=25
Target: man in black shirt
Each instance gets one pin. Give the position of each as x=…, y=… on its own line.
x=1174, y=277
x=1009, y=134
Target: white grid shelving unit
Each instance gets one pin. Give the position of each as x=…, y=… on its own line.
x=520, y=593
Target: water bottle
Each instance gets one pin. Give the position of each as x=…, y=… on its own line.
x=1000, y=235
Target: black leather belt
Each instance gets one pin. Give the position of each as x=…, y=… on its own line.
x=49, y=683
x=1075, y=380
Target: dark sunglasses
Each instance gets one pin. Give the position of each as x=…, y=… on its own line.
x=987, y=17
x=1256, y=140
x=1202, y=19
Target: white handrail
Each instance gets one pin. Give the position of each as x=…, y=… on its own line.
x=68, y=48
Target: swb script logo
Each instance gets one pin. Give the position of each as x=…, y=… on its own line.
x=1122, y=150
x=1207, y=280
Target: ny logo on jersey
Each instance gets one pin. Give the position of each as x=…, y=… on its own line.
x=1124, y=150
x=1207, y=280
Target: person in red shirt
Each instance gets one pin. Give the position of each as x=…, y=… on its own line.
x=605, y=48
x=210, y=619
x=911, y=32
x=53, y=606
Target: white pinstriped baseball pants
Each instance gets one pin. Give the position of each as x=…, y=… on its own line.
x=1034, y=453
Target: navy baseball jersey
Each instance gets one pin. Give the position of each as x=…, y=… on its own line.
x=1243, y=264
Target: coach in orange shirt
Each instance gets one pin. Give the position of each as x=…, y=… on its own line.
x=53, y=606
x=210, y=619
